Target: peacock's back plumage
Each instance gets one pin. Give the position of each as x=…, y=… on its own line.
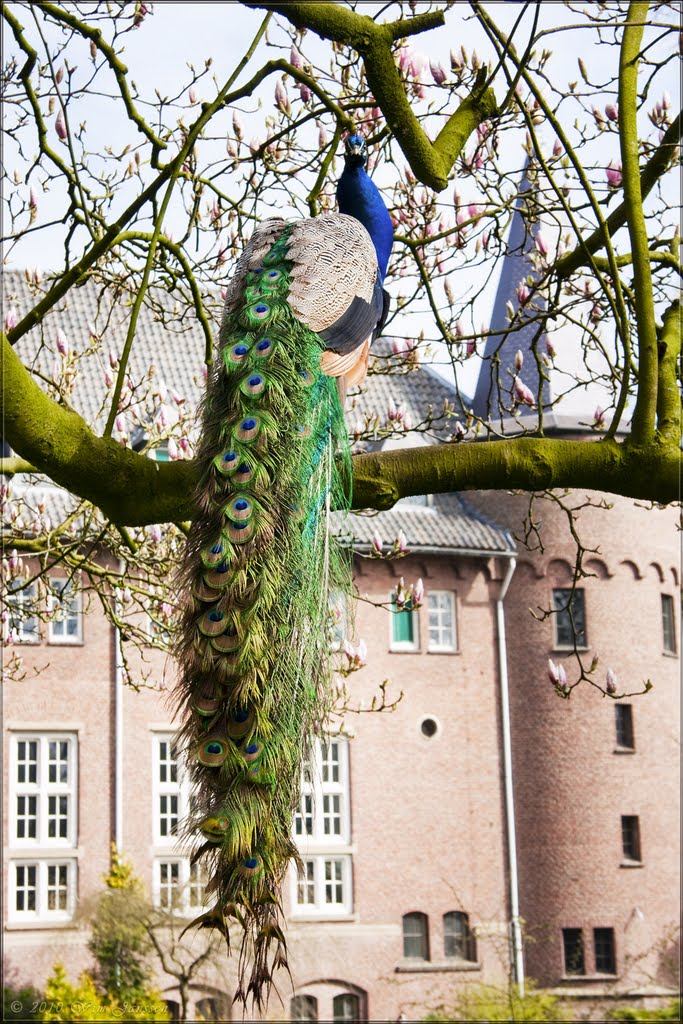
x=303, y=304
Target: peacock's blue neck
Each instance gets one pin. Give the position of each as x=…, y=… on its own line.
x=359, y=197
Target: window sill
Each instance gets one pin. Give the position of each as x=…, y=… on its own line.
x=432, y=966
x=568, y=649
x=624, y=750
x=588, y=977
x=631, y=864
x=443, y=650
x=323, y=917
x=670, y=654
x=62, y=924
x=404, y=650
x=65, y=643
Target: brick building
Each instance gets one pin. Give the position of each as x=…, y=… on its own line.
x=484, y=825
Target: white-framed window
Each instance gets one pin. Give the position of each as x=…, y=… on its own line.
x=42, y=889
x=42, y=877
x=442, y=628
x=322, y=886
x=66, y=619
x=404, y=626
x=171, y=791
x=23, y=625
x=43, y=790
x=178, y=885
x=323, y=814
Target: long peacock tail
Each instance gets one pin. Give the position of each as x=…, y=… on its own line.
x=254, y=652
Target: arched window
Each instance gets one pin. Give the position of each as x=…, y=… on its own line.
x=303, y=1008
x=416, y=936
x=215, y=1008
x=173, y=1009
x=345, y=1007
x=458, y=939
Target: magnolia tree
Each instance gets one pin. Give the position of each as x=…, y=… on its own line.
x=148, y=195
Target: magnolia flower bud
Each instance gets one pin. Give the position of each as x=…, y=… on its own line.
x=60, y=74
x=62, y=343
x=322, y=137
x=557, y=148
x=304, y=92
x=93, y=49
x=613, y=175
x=281, y=97
x=612, y=112
x=418, y=593
x=519, y=360
x=611, y=681
x=438, y=72
x=401, y=542
x=172, y=449
x=192, y=95
x=11, y=319
x=522, y=393
x=237, y=126
x=295, y=58
x=155, y=533
x=541, y=244
x=60, y=126
x=377, y=542
x=599, y=417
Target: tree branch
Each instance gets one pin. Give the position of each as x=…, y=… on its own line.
x=668, y=395
x=643, y=423
x=431, y=162
x=651, y=173
x=127, y=487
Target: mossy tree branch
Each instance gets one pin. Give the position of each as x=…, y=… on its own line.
x=431, y=162
x=135, y=491
x=668, y=394
x=646, y=401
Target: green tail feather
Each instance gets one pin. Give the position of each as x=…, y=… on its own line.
x=260, y=562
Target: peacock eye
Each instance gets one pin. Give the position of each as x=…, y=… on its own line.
x=248, y=428
x=212, y=752
x=239, y=510
x=264, y=348
x=261, y=311
x=237, y=354
x=255, y=384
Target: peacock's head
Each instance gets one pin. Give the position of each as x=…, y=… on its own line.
x=356, y=150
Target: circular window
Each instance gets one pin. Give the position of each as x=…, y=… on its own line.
x=429, y=727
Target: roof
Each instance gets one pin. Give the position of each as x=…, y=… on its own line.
x=175, y=350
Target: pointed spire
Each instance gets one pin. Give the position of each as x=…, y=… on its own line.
x=503, y=383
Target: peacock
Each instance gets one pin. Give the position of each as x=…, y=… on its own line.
x=304, y=303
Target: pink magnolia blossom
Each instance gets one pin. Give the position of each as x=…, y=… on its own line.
x=550, y=348
x=141, y=11
x=113, y=361
x=470, y=348
x=519, y=360
x=11, y=319
x=401, y=542
x=557, y=148
x=281, y=97
x=418, y=593
x=523, y=293
x=295, y=58
x=612, y=112
x=172, y=449
x=192, y=95
x=541, y=243
x=60, y=126
x=305, y=93
x=32, y=201
x=237, y=126
x=438, y=72
x=611, y=681
x=154, y=533
x=613, y=174
x=62, y=343
x=377, y=542
x=522, y=393
x=599, y=417
x=108, y=379
x=322, y=137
